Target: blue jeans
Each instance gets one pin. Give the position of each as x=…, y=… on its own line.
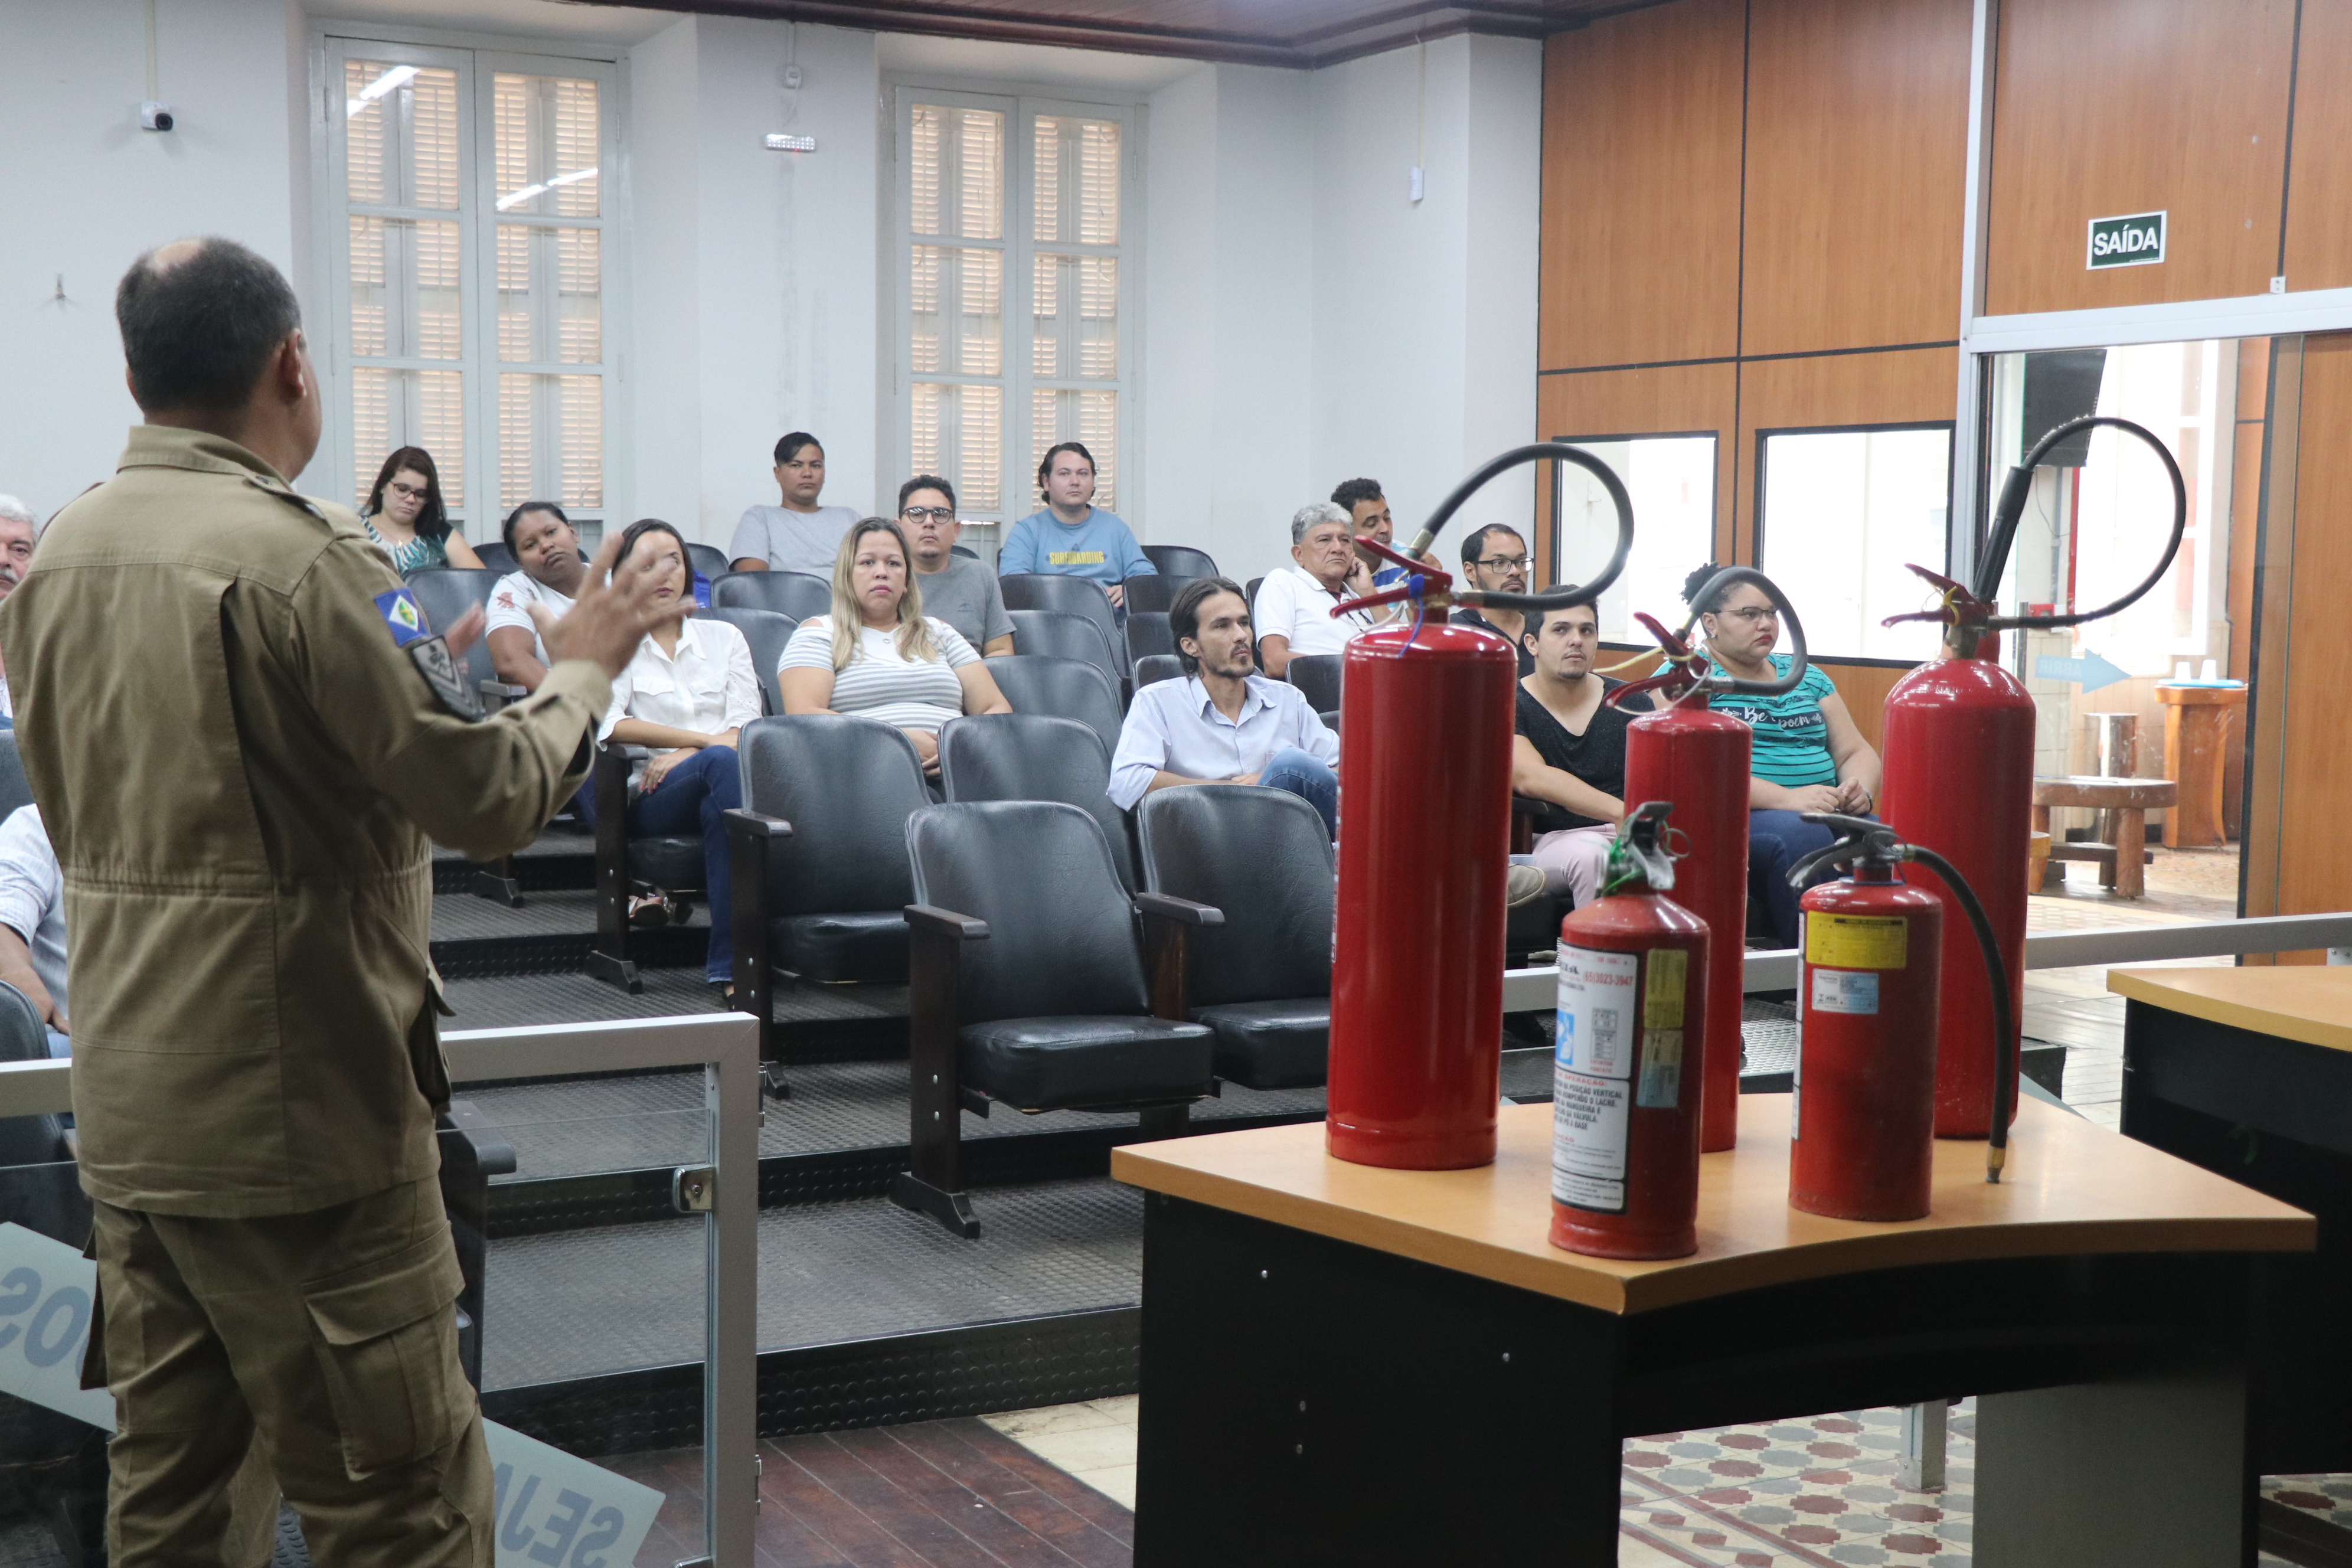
x=1776, y=841
x=1309, y=778
x=700, y=791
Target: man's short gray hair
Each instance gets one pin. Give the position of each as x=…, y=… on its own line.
x=18, y=511
x=1307, y=517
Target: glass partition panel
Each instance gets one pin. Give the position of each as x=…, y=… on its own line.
x=1670, y=479
x=1842, y=514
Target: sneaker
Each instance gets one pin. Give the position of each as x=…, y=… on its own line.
x=1522, y=885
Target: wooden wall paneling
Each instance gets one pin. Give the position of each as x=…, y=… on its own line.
x=1864, y=689
x=2246, y=527
x=1638, y=401
x=2319, y=182
x=1641, y=188
x=2314, y=850
x=2108, y=106
x=1857, y=167
x=1911, y=387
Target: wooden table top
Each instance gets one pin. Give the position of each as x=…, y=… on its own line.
x=2307, y=1001
x=2201, y=696
x=2083, y=791
x=2071, y=1188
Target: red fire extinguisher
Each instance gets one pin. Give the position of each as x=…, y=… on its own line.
x=1958, y=735
x=1697, y=759
x=1633, y=1002
x=1425, y=768
x=1870, y=974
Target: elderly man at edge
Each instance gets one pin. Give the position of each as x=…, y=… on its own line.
x=1293, y=613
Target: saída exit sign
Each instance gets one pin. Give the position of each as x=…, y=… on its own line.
x=2134, y=241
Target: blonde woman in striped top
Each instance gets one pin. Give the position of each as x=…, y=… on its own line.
x=877, y=656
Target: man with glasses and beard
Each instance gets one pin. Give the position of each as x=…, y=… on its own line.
x=1494, y=558
x=956, y=588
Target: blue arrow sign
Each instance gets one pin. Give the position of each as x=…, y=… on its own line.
x=2090, y=669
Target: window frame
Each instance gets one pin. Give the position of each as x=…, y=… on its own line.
x=1557, y=518
x=478, y=59
x=1755, y=547
x=1022, y=106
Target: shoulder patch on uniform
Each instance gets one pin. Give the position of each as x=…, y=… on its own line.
x=398, y=607
x=431, y=655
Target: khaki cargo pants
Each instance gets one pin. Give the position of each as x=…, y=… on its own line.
x=327, y=1343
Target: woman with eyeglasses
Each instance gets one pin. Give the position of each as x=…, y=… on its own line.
x=1806, y=753
x=405, y=516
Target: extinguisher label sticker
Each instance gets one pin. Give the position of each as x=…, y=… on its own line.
x=1857, y=942
x=1661, y=1070
x=1844, y=990
x=1592, y=1069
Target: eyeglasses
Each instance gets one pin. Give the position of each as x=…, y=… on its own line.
x=1504, y=563
x=413, y=492
x=1753, y=615
x=919, y=514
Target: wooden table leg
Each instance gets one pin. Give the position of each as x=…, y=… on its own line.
x=2129, y=873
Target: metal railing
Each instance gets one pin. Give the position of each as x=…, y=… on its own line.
x=1537, y=990
x=726, y=1046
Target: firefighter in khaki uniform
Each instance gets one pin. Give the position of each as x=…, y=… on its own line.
x=241, y=738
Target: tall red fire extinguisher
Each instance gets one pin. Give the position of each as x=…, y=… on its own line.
x=1426, y=776
x=1698, y=759
x=1633, y=1002
x=1870, y=973
x=1958, y=735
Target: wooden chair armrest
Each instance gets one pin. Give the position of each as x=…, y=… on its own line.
x=1184, y=911
x=945, y=923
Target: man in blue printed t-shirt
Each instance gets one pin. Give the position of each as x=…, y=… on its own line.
x=1072, y=535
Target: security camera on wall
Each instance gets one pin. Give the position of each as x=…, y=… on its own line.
x=154, y=116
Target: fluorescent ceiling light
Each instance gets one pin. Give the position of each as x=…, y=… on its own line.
x=398, y=76
x=516, y=198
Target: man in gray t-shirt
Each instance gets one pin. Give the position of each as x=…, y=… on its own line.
x=956, y=588
x=800, y=535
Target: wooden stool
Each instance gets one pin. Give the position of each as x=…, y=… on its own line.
x=2199, y=724
x=2120, y=863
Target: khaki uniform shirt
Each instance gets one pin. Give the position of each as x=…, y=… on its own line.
x=240, y=768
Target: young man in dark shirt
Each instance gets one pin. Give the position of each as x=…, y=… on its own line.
x=1567, y=750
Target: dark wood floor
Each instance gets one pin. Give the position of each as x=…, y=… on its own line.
x=942, y=1494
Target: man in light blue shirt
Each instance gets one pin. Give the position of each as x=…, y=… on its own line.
x=1224, y=723
x=1071, y=535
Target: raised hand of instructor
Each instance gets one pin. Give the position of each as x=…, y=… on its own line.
x=609, y=618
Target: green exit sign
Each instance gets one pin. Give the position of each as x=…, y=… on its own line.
x=2134, y=241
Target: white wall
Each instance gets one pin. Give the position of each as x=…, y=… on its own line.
x=1303, y=323
x=85, y=191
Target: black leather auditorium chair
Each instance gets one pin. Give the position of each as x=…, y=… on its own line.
x=1151, y=592
x=1317, y=676
x=1057, y=635
x=1155, y=668
x=1064, y=594
x=1261, y=981
x=1065, y=687
x=1181, y=562
x=766, y=632
x=1029, y=988
x=799, y=595
x=1037, y=756
x=820, y=858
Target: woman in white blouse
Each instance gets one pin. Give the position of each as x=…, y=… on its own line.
x=877, y=656
x=685, y=696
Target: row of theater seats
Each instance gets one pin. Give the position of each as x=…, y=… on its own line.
x=1060, y=955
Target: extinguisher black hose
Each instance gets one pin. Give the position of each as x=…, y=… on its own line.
x=1540, y=451
x=2004, y=1019
x=2011, y=507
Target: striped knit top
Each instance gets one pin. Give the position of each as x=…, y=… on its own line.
x=881, y=683
x=1791, y=743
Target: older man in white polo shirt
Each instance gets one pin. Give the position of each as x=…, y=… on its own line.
x=1293, y=613
x=1224, y=723
x=33, y=922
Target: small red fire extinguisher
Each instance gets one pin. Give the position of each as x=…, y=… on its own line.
x=1863, y=1115
x=1959, y=734
x=1697, y=759
x=1628, y=1059
x=1425, y=749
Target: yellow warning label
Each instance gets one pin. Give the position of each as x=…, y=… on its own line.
x=1857, y=941
x=1662, y=992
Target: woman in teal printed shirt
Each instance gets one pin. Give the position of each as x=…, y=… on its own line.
x=1806, y=755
